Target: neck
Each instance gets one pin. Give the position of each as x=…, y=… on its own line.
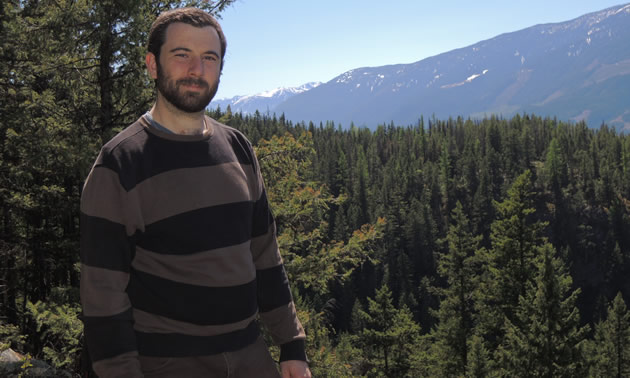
x=176, y=120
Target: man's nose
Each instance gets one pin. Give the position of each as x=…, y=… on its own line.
x=196, y=66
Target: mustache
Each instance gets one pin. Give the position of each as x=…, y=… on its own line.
x=192, y=81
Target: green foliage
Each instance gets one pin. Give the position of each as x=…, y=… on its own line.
x=59, y=329
x=478, y=359
x=510, y=265
x=609, y=351
x=545, y=338
x=389, y=338
x=10, y=337
x=325, y=359
x=453, y=333
x=349, y=352
x=300, y=209
x=26, y=365
x=313, y=264
x=556, y=166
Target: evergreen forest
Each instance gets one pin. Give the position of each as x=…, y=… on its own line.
x=449, y=248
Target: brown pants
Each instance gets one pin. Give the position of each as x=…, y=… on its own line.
x=251, y=361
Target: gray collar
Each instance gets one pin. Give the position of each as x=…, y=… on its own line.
x=157, y=125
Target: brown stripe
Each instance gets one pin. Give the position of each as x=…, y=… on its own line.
x=265, y=250
x=230, y=266
x=103, y=291
x=150, y=323
x=124, y=365
x=283, y=324
x=177, y=191
x=104, y=197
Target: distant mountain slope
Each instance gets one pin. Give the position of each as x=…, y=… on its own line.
x=263, y=102
x=575, y=70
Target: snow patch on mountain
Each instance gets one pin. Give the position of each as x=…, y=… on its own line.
x=468, y=80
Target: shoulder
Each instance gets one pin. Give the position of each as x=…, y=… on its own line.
x=128, y=139
x=228, y=132
x=122, y=156
x=123, y=146
x=235, y=138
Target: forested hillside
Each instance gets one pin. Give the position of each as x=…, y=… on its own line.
x=501, y=245
x=451, y=248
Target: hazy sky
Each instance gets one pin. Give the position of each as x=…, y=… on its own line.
x=286, y=43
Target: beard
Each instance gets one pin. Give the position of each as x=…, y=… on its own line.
x=186, y=101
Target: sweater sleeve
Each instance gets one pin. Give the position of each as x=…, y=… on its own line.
x=277, y=309
x=107, y=228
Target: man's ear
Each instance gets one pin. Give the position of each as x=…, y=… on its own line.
x=151, y=63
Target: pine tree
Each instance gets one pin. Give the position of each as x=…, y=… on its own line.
x=482, y=210
x=509, y=266
x=389, y=338
x=555, y=168
x=455, y=314
x=478, y=359
x=545, y=338
x=610, y=349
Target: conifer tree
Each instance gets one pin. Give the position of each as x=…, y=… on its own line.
x=478, y=359
x=510, y=264
x=455, y=314
x=446, y=179
x=482, y=210
x=610, y=349
x=545, y=338
x=389, y=338
x=468, y=170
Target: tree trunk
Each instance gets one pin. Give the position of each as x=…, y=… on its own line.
x=105, y=73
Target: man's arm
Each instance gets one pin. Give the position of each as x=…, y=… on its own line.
x=275, y=303
x=106, y=251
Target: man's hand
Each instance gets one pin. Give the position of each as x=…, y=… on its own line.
x=295, y=369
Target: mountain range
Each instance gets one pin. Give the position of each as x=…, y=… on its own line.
x=263, y=102
x=577, y=70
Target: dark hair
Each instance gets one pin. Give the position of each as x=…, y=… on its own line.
x=191, y=16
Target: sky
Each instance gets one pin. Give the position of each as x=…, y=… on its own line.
x=287, y=43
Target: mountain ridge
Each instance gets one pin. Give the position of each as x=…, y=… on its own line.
x=263, y=101
x=577, y=70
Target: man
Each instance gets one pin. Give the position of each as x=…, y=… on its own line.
x=178, y=247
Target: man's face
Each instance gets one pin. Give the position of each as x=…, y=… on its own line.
x=189, y=66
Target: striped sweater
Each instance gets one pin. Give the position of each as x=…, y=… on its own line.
x=178, y=250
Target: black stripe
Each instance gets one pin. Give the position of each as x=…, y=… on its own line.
x=191, y=303
x=238, y=143
x=109, y=336
x=178, y=345
x=105, y=244
x=199, y=230
x=263, y=217
x=138, y=155
x=294, y=350
x=273, y=288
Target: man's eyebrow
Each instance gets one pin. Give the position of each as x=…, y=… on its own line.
x=180, y=49
x=211, y=52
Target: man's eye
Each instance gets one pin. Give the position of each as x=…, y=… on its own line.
x=210, y=58
x=181, y=55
